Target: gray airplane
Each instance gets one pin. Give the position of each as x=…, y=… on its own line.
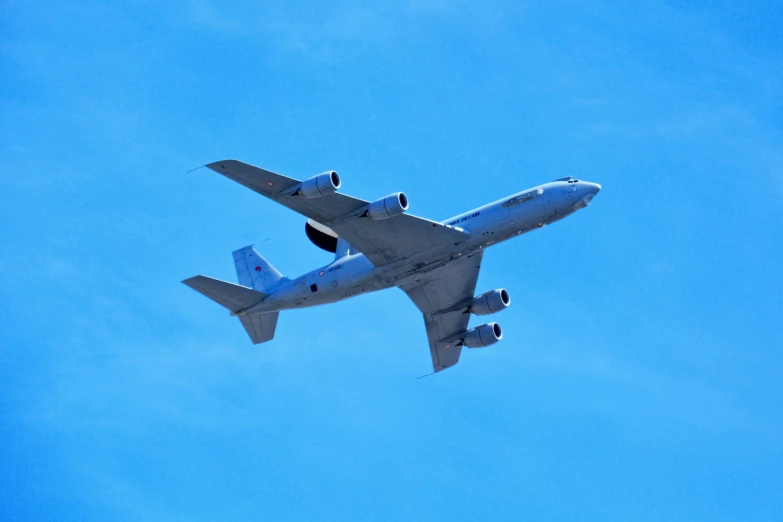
x=378, y=245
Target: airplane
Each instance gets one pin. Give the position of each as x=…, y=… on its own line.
x=378, y=245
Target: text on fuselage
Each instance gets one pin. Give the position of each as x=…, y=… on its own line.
x=463, y=219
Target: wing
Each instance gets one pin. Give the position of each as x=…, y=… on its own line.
x=381, y=241
x=443, y=298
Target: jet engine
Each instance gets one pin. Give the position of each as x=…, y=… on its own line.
x=490, y=302
x=484, y=335
x=388, y=207
x=320, y=185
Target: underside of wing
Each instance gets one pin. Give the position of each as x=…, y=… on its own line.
x=440, y=297
x=382, y=241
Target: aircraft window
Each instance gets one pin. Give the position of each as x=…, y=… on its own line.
x=527, y=196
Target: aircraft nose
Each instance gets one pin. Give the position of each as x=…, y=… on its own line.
x=591, y=190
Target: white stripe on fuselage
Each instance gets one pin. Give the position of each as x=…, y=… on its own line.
x=355, y=274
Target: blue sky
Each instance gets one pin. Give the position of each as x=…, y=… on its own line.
x=640, y=373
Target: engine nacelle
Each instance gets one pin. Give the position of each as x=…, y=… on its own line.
x=320, y=185
x=484, y=335
x=490, y=302
x=388, y=207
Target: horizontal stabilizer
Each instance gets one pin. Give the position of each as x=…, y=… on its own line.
x=260, y=327
x=234, y=297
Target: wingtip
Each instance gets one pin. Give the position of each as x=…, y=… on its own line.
x=189, y=280
x=217, y=166
x=220, y=165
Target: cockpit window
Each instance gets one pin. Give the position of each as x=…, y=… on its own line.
x=522, y=198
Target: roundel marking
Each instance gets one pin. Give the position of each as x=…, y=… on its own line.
x=258, y=269
x=321, y=273
x=448, y=346
x=268, y=183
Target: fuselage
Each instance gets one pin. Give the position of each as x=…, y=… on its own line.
x=354, y=274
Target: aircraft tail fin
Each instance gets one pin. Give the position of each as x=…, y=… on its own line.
x=234, y=297
x=256, y=272
x=343, y=248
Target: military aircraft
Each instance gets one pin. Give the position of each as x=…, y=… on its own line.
x=378, y=245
